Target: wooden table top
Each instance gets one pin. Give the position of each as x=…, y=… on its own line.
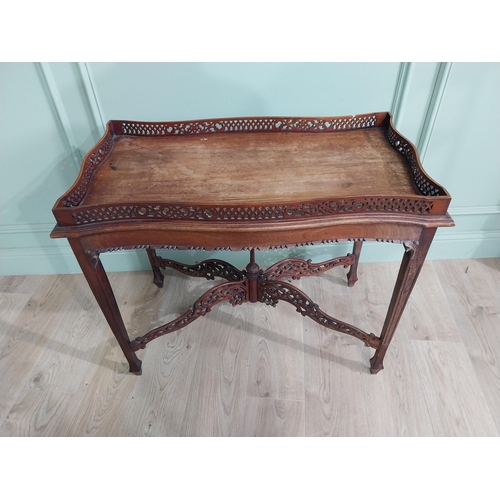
x=249, y=169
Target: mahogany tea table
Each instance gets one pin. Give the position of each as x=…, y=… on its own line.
x=251, y=184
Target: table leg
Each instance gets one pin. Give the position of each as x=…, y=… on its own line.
x=157, y=274
x=411, y=265
x=97, y=279
x=352, y=275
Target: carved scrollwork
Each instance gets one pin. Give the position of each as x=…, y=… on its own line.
x=270, y=124
x=93, y=257
x=105, y=213
x=209, y=269
x=410, y=246
x=274, y=291
x=255, y=285
x=297, y=268
x=423, y=183
x=93, y=160
x=234, y=293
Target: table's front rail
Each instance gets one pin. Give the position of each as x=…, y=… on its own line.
x=262, y=235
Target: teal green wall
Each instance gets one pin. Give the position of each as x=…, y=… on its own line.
x=52, y=113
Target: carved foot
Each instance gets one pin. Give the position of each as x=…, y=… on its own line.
x=158, y=278
x=136, y=368
x=157, y=274
x=375, y=366
x=351, y=278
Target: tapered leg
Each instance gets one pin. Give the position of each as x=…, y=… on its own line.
x=99, y=284
x=157, y=274
x=411, y=265
x=352, y=275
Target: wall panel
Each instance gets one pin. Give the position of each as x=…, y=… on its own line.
x=52, y=113
x=183, y=91
x=464, y=154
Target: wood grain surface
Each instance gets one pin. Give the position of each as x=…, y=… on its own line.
x=253, y=370
x=250, y=168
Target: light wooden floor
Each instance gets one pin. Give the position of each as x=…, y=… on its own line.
x=254, y=370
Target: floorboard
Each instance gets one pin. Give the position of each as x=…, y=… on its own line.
x=254, y=370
